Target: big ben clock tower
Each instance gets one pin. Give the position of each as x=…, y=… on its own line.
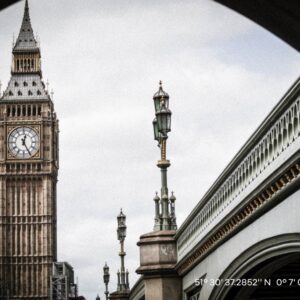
x=28, y=175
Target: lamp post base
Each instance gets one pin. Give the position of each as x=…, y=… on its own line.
x=158, y=257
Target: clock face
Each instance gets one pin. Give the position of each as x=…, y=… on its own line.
x=23, y=142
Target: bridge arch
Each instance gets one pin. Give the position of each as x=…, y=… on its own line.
x=267, y=259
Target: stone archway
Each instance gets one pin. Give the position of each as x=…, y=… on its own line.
x=269, y=269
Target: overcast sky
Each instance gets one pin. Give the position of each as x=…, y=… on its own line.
x=104, y=59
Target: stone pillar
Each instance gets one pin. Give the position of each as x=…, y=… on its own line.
x=158, y=257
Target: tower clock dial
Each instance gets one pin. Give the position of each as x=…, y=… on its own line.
x=23, y=142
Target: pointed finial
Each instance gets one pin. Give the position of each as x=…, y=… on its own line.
x=26, y=4
x=52, y=93
x=160, y=86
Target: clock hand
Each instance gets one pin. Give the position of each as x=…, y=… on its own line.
x=24, y=144
x=23, y=141
x=27, y=149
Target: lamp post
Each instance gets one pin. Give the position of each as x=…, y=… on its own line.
x=164, y=207
x=158, y=249
x=123, y=277
x=106, y=276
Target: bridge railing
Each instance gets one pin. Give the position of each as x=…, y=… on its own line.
x=276, y=139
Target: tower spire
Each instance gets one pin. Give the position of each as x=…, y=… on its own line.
x=26, y=81
x=26, y=39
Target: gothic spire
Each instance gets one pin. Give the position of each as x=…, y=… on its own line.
x=26, y=39
x=26, y=80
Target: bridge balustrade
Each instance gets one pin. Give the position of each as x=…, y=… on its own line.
x=275, y=140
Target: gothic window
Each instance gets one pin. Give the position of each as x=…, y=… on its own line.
x=10, y=93
x=25, y=83
x=29, y=93
x=16, y=84
x=19, y=93
x=33, y=83
x=34, y=110
x=39, y=93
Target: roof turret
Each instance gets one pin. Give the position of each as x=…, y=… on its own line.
x=26, y=40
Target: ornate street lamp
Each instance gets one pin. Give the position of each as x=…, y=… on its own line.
x=123, y=277
x=157, y=135
x=121, y=226
x=164, y=207
x=106, y=277
x=163, y=117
